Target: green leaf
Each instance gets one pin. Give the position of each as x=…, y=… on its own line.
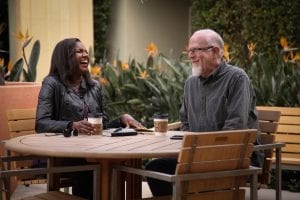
x=33, y=60
x=16, y=71
x=135, y=101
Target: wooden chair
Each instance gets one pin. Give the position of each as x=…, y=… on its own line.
x=268, y=124
x=6, y=173
x=211, y=165
x=22, y=122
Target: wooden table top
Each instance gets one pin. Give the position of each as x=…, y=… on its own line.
x=95, y=146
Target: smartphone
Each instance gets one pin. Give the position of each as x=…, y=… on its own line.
x=176, y=137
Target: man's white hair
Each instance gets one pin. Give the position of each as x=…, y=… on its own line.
x=213, y=38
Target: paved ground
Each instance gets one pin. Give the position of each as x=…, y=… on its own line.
x=263, y=194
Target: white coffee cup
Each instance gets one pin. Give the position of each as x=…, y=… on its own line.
x=160, y=123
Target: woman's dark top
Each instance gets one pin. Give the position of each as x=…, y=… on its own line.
x=59, y=105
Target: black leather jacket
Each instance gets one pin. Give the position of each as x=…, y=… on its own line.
x=59, y=105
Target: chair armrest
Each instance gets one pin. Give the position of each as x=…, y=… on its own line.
x=36, y=171
x=205, y=175
x=142, y=172
x=220, y=174
x=268, y=146
x=20, y=158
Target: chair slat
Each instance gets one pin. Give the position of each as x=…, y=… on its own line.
x=269, y=115
x=21, y=125
x=291, y=148
x=217, y=165
x=293, y=120
x=18, y=114
x=215, y=138
x=289, y=111
x=208, y=153
x=295, y=129
x=268, y=127
x=288, y=138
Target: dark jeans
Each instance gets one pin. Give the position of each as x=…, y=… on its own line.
x=82, y=182
x=165, y=165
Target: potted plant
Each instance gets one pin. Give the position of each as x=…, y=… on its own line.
x=13, y=93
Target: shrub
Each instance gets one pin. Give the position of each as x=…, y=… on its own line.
x=144, y=89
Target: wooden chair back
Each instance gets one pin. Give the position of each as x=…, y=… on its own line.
x=289, y=133
x=268, y=124
x=215, y=151
x=21, y=121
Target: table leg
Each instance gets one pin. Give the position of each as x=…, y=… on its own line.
x=106, y=166
x=134, y=182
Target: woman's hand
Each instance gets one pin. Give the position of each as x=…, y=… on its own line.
x=83, y=127
x=129, y=121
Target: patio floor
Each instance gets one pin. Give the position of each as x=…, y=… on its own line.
x=263, y=194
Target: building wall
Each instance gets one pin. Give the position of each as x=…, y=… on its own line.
x=49, y=21
x=136, y=23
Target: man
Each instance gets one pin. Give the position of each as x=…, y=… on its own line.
x=217, y=96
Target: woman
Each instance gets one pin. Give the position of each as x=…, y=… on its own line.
x=68, y=95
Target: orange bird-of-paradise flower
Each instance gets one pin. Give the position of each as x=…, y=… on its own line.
x=21, y=36
x=251, y=47
x=297, y=57
x=152, y=49
x=125, y=66
x=103, y=81
x=226, y=52
x=293, y=57
x=96, y=70
x=1, y=62
x=284, y=43
x=144, y=75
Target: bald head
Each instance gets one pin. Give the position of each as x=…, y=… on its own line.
x=210, y=38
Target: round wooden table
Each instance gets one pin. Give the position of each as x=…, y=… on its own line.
x=103, y=149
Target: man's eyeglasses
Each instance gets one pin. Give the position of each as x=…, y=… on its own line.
x=200, y=49
x=81, y=51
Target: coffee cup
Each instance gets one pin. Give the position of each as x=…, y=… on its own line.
x=96, y=121
x=160, y=123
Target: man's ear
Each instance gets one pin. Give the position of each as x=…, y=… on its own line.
x=216, y=51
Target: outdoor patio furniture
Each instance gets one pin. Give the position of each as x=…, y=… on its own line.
x=211, y=165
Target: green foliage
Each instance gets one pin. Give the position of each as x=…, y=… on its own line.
x=290, y=180
x=101, y=21
x=143, y=90
x=242, y=21
x=18, y=67
x=276, y=83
